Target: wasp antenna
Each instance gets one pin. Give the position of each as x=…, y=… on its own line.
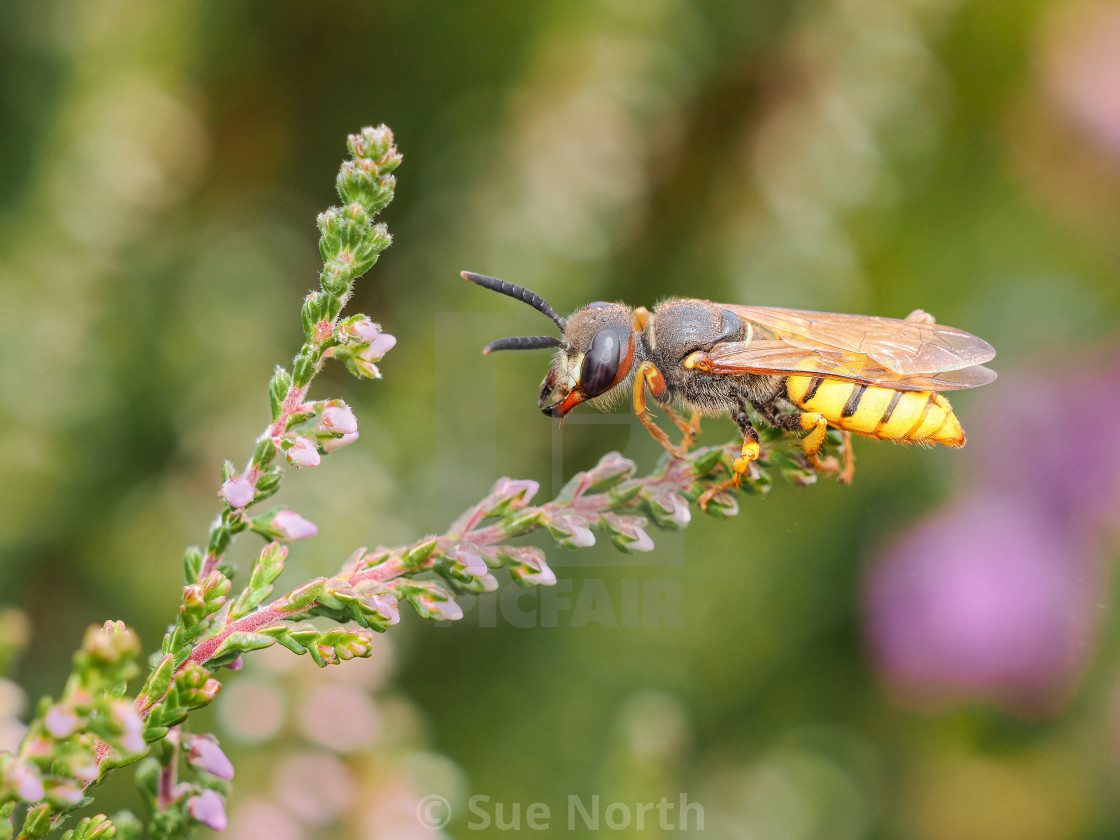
x=522, y=342
x=514, y=291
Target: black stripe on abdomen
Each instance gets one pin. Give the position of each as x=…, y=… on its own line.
x=890, y=408
x=813, y=386
x=852, y=405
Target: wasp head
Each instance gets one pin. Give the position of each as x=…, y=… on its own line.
x=593, y=357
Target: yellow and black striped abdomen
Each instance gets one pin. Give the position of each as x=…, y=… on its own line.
x=877, y=412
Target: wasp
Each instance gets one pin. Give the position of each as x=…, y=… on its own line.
x=800, y=371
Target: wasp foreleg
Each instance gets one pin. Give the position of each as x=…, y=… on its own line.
x=649, y=376
x=690, y=429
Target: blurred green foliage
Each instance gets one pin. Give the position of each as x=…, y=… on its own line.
x=161, y=169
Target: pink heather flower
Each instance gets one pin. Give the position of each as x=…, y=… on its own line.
x=339, y=418
x=441, y=610
x=330, y=444
x=643, y=542
x=386, y=605
x=983, y=600
x=377, y=348
x=27, y=782
x=209, y=809
x=365, y=330
x=292, y=526
x=66, y=793
x=86, y=772
x=576, y=528
x=468, y=556
x=303, y=453
x=681, y=515
x=634, y=534
x=132, y=728
x=1084, y=71
x=509, y=487
x=541, y=575
x=237, y=664
x=60, y=722
x=208, y=757
x=237, y=491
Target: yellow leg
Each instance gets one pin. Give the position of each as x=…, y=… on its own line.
x=741, y=466
x=650, y=376
x=815, y=424
x=690, y=429
x=811, y=444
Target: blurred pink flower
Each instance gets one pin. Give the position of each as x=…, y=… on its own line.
x=994, y=598
x=26, y=781
x=208, y=808
x=207, y=756
x=316, y=787
x=293, y=526
x=259, y=818
x=132, y=728
x=982, y=600
x=1084, y=71
x=60, y=721
x=340, y=717
x=237, y=491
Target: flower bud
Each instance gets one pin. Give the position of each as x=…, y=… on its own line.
x=207, y=756
x=376, y=350
x=386, y=606
x=330, y=444
x=64, y=794
x=364, y=330
x=26, y=781
x=570, y=530
x=527, y=564
x=520, y=490
x=293, y=526
x=671, y=509
x=469, y=557
x=541, y=574
x=208, y=808
x=446, y=610
x=60, y=721
x=131, y=727
x=303, y=453
x=629, y=535
x=237, y=492
x=337, y=417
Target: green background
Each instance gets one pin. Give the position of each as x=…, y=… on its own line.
x=161, y=166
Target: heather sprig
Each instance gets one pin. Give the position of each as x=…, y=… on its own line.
x=96, y=726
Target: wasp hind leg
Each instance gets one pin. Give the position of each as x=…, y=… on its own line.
x=814, y=423
x=741, y=465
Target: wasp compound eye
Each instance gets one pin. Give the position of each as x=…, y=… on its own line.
x=600, y=363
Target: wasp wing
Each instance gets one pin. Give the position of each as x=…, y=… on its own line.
x=905, y=355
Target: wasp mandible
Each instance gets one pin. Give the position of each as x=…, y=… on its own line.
x=800, y=371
